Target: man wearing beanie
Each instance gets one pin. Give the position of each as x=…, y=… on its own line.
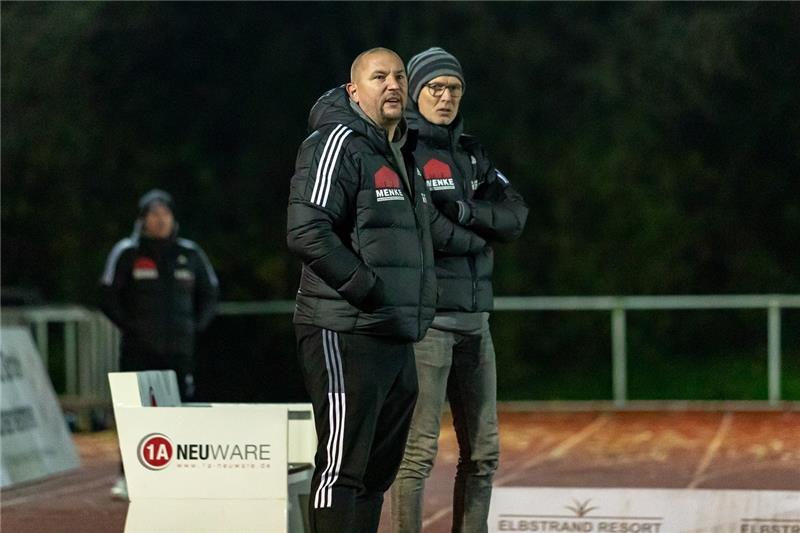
x=456, y=357
x=159, y=290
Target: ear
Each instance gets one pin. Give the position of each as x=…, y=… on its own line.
x=352, y=91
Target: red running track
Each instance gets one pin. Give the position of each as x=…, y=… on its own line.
x=656, y=449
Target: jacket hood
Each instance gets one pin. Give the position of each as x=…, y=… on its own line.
x=334, y=107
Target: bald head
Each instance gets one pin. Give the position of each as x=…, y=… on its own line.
x=360, y=61
x=379, y=86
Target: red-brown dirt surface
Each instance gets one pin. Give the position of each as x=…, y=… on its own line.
x=657, y=449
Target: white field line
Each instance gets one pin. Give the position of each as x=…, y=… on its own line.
x=559, y=451
x=711, y=451
x=435, y=517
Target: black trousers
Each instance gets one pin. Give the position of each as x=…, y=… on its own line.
x=363, y=390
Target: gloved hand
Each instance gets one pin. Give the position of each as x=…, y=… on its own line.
x=459, y=211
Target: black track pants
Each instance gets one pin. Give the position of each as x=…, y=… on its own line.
x=363, y=390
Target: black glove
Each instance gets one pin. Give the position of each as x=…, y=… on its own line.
x=459, y=211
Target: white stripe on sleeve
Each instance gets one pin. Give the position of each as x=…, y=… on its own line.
x=502, y=177
x=113, y=258
x=327, y=164
x=212, y=276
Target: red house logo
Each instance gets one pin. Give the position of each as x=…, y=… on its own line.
x=386, y=178
x=144, y=263
x=387, y=185
x=145, y=268
x=438, y=176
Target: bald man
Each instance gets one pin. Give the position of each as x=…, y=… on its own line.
x=361, y=221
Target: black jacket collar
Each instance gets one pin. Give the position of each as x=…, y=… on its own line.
x=333, y=107
x=446, y=137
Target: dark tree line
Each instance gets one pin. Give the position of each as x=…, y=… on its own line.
x=656, y=143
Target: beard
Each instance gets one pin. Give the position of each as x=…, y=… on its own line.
x=393, y=112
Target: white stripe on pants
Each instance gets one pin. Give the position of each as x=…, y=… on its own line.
x=336, y=415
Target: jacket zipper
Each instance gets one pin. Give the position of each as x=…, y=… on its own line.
x=420, y=239
x=411, y=184
x=465, y=194
x=474, y=283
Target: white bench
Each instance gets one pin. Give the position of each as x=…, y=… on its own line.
x=211, y=467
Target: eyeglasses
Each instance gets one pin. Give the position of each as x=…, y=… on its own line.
x=437, y=89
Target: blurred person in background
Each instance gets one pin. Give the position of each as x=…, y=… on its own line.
x=359, y=217
x=456, y=358
x=160, y=291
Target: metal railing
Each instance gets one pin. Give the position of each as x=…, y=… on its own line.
x=91, y=342
x=618, y=306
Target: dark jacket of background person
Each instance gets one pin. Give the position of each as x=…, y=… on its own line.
x=160, y=293
x=366, y=249
x=492, y=209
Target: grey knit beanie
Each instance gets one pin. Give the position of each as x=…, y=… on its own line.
x=152, y=197
x=430, y=64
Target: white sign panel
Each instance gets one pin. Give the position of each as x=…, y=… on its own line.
x=36, y=442
x=210, y=467
x=206, y=516
x=634, y=510
x=216, y=451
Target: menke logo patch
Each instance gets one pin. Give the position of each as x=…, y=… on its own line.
x=144, y=268
x=438, y=176
x=387, y=185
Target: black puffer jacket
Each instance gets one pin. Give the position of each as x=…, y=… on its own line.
x=457, y=169
x=363, y=233
x=159, y=293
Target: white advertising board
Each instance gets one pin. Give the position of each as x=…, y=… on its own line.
x=35, y=440
x=219, y=452
x=211, y=467
x=634, y=510
x=206, y=516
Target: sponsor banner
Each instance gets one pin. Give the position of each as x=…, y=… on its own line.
x=216, y=451
x=635, y=510
x=35, y=439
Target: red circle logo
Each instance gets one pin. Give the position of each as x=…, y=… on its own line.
x=155, y=451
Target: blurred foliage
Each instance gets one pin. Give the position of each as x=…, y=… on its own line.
x=657, y=144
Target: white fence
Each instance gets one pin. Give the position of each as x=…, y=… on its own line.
x=91, y=342
x=618, y=306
